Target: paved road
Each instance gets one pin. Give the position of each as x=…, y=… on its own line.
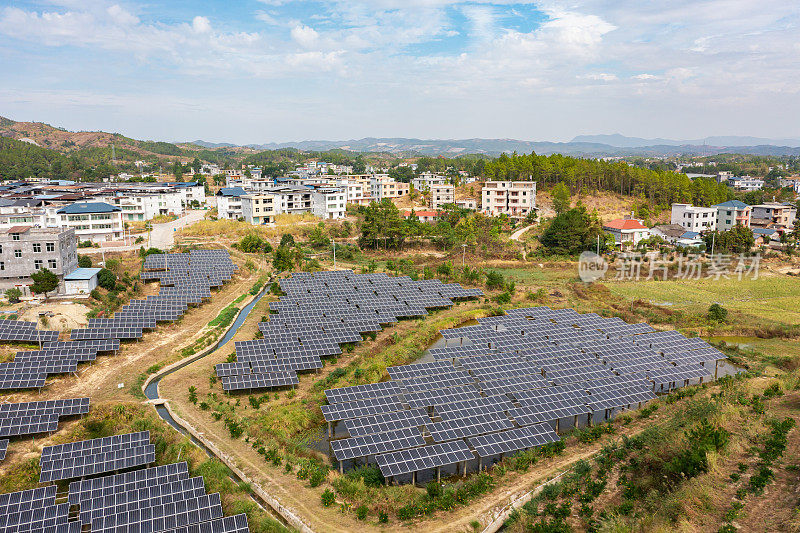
x=517, y=234
x=162, y=235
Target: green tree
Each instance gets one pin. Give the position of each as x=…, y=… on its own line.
x=106, y=279
x=738, y=240
x=13, y=294
x=402, y=174
x=287, y=239
x=177, y=171
x=572, y=232
x=196, y=165
x=382, y=223
x=253, y=244
x=283, y=258
x=84, y=261
x=44, y=281
x=561, y=198
x=317, y=238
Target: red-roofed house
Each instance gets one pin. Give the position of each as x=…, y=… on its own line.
x=424, y=215
x=627, y=230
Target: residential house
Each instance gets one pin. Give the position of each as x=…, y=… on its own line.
x=92, y=221
x=259, y=208
x=429, y=216
x=229, y=202
x=385, y=187
x=440, y=195
x=467, y=203
x=512, y=198
x=774, y=214
x=746, y=183
x=329, y=202
x=26, y=249
x=793, y=182
x=694, y=218
x=731, y=213
x=426, y=180
x=627, y=231
x=671, y=233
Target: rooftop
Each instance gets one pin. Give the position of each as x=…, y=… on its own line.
x=86, y=208
x=81, y=274
x=624, y=224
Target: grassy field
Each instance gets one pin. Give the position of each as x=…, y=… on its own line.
x=775, y=298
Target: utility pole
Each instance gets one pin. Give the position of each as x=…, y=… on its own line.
x=598, y=244
x=713, y=239
x=463, y=253
x=334, y=253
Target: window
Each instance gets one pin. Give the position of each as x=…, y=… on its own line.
x=37, y=264
x=51, y=263
x=18, y=253
x=2, y=265
x=37, y=247
x=15, y=236
x=50, y=246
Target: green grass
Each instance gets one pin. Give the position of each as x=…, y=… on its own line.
x=771, y=298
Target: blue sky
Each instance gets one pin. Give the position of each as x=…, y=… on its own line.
x=282, y=70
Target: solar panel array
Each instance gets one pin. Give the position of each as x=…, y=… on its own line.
x=323, y=310
x=96, y=456
x=506, y=382
x=30, y=418
x=162, y=498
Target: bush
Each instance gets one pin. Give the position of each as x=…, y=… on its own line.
x=84, y=261
x=494, y=280
x=370, y=474
x=361, y=512
x=106, y=279
x=383, y=517
x=13, y=295
x=434, y=489
x=328, y=497
x=717, y=313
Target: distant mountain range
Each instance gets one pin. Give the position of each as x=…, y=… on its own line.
x=615, y=145
x=621, y=141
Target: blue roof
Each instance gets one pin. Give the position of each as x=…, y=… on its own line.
x=85, y=208
x=82, y=274
x=182, y=184
x=232, y=191
x=733, y=203
x=690, y=235
x=765, y=231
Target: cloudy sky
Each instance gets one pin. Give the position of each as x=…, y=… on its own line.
x=250, y=71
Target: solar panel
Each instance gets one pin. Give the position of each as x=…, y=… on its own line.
x=162, y=518
x=25, y=500
x=367, y=425
x=362, y=392
x=229, y=524
x=72, y=467
x=513, y=440
x=128, y=481
x=3, y=448
x=360, y=408
x=376, y=443
x=458, y=428
x=431, y=456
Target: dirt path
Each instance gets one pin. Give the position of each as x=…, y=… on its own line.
x=517, y=234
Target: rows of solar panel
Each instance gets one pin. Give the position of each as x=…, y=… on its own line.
x=431, y=456
x=162, y=518
x=129, y=481
x=367, y=425
x=376, y=443
x=513, y=440
x=259, y=381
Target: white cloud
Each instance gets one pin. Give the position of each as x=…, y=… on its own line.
x=305, y=36
x=201, y=25
x=601, y=76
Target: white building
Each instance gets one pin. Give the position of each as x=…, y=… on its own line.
x=440, y=195
x=96, y=222
x=731, y=213
x=627, y=230
x=329, y=203
x=746, y=183
x=694, y=218
x=385, y=187
x=229, y=202
x=512, y=198
x=426, y=180
x=81, y=281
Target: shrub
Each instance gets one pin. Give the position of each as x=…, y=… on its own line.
x=434, y=489
x=106, y=279
x=328, y=497
x=361, y=512
x=717, y=313
x=370, y=474
x=13, y=295
x=193, y=394
x=84, y=261
x=383, y=517
x=494, y=280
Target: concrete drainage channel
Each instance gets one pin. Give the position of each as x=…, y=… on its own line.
x=162, y=407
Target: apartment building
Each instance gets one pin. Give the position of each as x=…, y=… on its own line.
x=775, y=215
x=385, y=187
x=92, y=221
x=694, y=218
x=627, y=231
x=259, y=208
x=26, y=249
x=229, y=202
x=145, y=205
x=731, y=213
x=329, y=202
x=427, y=180
x=512, y=198
x=440, y=195
x=467, y=203
x=746, y=183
